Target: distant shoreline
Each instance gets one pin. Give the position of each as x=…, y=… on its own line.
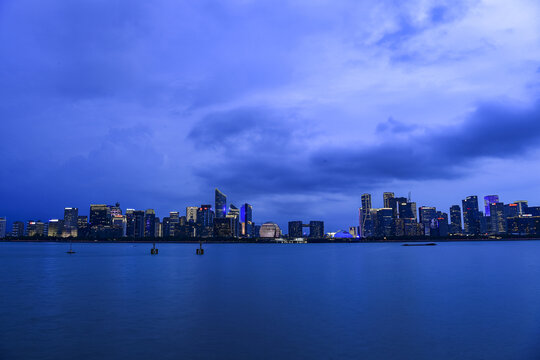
x=258, y=240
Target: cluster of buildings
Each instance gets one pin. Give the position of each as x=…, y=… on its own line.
x=400, y=218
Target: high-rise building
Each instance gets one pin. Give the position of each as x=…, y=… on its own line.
x=383, y=223
x=246, y=219
x=442, y=224
x=498, y=218
x=149, y=223
x=234, y=214
x=316, y=229
x=428, y=218
x=353, y=230
x=17, y=229
x=386, y=199
x=139, y=225
x=70, y=222
x=455, y=219
x=82, y=226
x=191, y=214
x=119, y=223
x=55, y=228
x=158, y=228
x=365, y=218
x=295, y=229
x=522, y=206
x=99, y=215
x=221, y=204
x=223, y=227
x=35, y=228
x=488, y=200
x=115, y=210
x=471, y=215
x=511, y=210
x=205, y=221
x=3, y=225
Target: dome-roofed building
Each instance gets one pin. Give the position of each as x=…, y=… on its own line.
x=270, y=230
x=342, y=234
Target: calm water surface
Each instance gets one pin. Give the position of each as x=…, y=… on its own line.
x=474, y=300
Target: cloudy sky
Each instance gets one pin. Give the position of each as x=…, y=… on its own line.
x=297, y=107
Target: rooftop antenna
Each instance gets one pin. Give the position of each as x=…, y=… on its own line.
x=409, y=198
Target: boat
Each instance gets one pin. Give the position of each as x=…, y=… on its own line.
x=428, y=244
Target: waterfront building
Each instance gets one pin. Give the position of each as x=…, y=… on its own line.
x=270, y=230
x=471, y=215
x=488, y=200
x=191, y=214
x=427, y=217
x=382, y=222
x=82, y=226
x=119, y=223
x=406, y=209
x=386, y=199
x=71, y=215
x=353, y=230
x=443, y=228
x=99, y=215
x=455, y=219
x=220, y=204
x=149, y=223
x=3, y=225
x=365, y=219
x=511, y=210
x=223, y=227
x=316, y=229
x=17, y=229
x=497, y=218
x=158, y=228
x=522, y=206
x=35, y=228
x=55, y=228
x=234, y=214
x=246, y=219
x=139, y=224
x=114, y=210
x=295, y=229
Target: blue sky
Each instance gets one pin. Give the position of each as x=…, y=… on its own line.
x=297, y=107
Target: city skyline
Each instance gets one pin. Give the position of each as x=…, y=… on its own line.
x=296, y=109
x=398, y=216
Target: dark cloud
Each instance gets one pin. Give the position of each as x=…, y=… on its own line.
x=289, y=167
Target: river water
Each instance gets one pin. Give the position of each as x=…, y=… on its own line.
x=456, y=300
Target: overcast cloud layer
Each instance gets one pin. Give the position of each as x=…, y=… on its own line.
x=297, y=107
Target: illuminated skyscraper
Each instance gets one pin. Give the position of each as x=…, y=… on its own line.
x=99, y=215
x=365, y=215
x=246, y=219
x=3, y=225
x=427, y=215
x=488, y=200
x=386, y=199
x=471, y=215
x=498, y=218
x=17, y=229
x=149, y=223
x=455, y=219
x=221, y=204
x=55, y=228
x=138, y=223
x=234, y=214
x=191, y=214
x=70, y=222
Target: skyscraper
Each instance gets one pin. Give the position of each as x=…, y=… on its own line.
x=316, y=229
x=70, y=222
x=455, y=219
x=138, y=223
x=427, y=216
x=386, y=199
x=489, y=199
x=17, y=229
x=191, y=214
x=471, y=215
x=246, y=219
x=55, y=228
x=295, y=229
x=365, y=215
x=99, y=215
x=498, y=218
x=3, y=225
x=234, y=214
x=149, y=223
x=221, y=204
